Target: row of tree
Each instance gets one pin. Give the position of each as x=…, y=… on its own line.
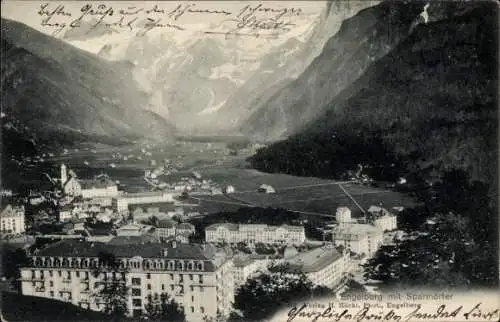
x=113, y=295
x=262, y=296
x=456, y=242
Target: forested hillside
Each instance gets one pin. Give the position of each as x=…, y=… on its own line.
x=428, y=106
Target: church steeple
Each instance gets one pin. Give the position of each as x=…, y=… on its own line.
x=64, y=174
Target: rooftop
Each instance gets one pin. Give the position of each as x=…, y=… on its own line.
x=228, y=226
x=144, y=194
x=314, y=260
x=250, y=227
x=132, y=226
x=357, y=230
x=127, y=240
x=185, y=225
x=79, y=248
x=10, y=211
x=242, y=261
x=166, y=224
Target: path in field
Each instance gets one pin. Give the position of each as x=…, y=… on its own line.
x=232, y=200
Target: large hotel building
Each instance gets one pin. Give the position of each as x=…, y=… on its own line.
x=198, y=277
x=255, y=233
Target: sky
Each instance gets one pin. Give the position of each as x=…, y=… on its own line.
x=27, y=11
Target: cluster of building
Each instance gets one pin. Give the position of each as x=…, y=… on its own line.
x=98, y=187
x=202, y=278
x=104, y=191
x=194, y=184
x=169, y=229
x=156, y=257
x=100, y=200
x=359, y=236
x=174, y=210
x=78, y=210
x=255, y=233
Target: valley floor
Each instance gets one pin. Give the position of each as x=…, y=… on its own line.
x=212, y=160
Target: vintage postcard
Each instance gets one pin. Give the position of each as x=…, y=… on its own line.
x=233, y=161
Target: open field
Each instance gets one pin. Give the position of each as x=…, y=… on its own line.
x=320, y=199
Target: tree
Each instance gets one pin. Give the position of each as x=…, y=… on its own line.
x=113, y=291
x=152, y=308
x=353, y=288
x=160, y=307
x=218, y=318
x=151, y=221
x=261, y=296
x=436, y=258
x=263, y=249
x=12, y=259
x=456, y=247
x=243, y=247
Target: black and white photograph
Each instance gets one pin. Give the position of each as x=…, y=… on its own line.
x=237, y=161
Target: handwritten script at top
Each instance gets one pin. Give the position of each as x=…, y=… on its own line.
x=254, y=20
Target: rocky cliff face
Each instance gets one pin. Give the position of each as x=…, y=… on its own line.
x=429, y=104
x=281, y=67
x=361, y=40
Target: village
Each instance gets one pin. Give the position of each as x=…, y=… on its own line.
x=78, y=212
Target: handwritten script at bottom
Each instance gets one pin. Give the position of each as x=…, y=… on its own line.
x=442, y=313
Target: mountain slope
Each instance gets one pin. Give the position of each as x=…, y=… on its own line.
x=279, y=68
x=427, y=106
x=361, y=40
x=56, y=89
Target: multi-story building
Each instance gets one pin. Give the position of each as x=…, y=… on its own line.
x=121, y=203
x=169, y=228
x=198, y=277
x=362, y=239
x=343, y=216
x=246, y=267
x=386, y=222
x=254, y=233
x=12, y=220
x=324, y=266
x=382, y=218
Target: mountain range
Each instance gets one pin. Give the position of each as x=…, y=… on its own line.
x=58, y=91
x=416, y=90
x=372, y=89
x=188, y=75
x=282, y=66
x=207, y=83
x=361, y=40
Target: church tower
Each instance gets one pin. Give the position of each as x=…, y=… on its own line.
x=64, y=174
